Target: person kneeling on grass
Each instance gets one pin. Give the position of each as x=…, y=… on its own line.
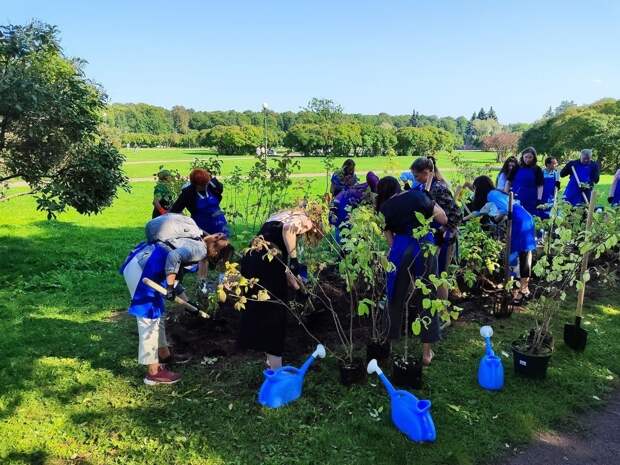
x=162, y=264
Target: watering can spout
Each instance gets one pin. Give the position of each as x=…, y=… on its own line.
x=319, y=352
x=373, y=367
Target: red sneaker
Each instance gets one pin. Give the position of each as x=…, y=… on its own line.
x=163, y=376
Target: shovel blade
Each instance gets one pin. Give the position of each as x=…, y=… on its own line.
x=575, y=337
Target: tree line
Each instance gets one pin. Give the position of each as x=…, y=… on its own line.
x=320, y=127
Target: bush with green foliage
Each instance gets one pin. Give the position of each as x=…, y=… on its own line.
x=50, y=114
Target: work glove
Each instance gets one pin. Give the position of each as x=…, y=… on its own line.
x=583, y=187
x=170, y=293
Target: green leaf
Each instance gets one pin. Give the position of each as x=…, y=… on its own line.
x=426, y=304
x=416, y=327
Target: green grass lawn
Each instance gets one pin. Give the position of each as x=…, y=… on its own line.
x=71, y=389
x=146, y=162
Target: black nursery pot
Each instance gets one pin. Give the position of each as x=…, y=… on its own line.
x=378, y=350
x=530, y=365
x=407, y=373
x=352, y=373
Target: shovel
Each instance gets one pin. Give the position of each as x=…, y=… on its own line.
x=575, y=336
x=583, y=194
x=507, y=298
x=189, y=307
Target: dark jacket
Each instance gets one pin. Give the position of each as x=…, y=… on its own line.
x=188, y=196
x=594, y=170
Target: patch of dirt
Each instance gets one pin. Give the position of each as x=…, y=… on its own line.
x=597, y=441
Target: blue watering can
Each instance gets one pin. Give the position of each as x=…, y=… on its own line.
x=283, y=386
x=491, y=370
x=410, y=415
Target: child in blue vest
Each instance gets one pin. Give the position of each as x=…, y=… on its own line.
x=550, y=187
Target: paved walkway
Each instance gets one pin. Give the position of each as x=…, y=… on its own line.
x=598, y=442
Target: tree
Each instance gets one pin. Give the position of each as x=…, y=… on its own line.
x=482, y=115
x=563, y=106
x=180, y=119
x=49, y=124
x=324, y=110
x=423, y=141
x=486, y=127
x=595, y=126
x=492, y=114
x=310, y=138
x=548, y=113
x=504, y=143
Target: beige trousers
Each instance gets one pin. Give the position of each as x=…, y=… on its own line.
x=151, y=336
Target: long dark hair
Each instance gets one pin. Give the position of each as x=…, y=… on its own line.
x=531, y=150
x=505, y=168
x=427, y=163
x=386, y=188
x=482, y=186
x=348, y=167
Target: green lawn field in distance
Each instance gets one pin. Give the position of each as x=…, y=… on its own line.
x=71, y=389
x=146, y=162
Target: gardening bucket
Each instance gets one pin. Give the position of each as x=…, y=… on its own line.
x=284, y=385
x=352, y=373
x=530, y=365
x=410, y=415
x=407, y=373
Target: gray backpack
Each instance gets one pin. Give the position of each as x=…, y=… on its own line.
x=170, y=226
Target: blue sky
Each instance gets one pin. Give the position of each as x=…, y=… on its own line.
x=440, y=57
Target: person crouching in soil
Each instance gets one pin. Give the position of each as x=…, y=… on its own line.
x=263, y=324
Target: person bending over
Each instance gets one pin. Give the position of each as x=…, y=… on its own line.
x=399, y=209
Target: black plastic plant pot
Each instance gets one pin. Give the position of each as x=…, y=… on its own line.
x=352, y=373
x=378, y=350
x=407, y=373
x=528, y=364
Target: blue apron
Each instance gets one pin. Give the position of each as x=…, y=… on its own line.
x=347, y=198
x=548, y=192
x=208, y=215
x=523, y=236
x=147, y=302
x=572, y=193
x=399, y=246
x=616, y=201
x=447, y=236
x=525, y=189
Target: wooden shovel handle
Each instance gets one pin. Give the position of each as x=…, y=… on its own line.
x=579, y=184
x=153, y=285
x=586, y=257
x=508, y=238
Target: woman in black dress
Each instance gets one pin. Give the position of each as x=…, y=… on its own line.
x=263, y=323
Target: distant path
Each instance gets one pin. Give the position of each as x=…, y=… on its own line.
x=294, y=175
x=597, y=443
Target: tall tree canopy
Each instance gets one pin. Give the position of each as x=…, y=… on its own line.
x=49, y=118
x=595, y=126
